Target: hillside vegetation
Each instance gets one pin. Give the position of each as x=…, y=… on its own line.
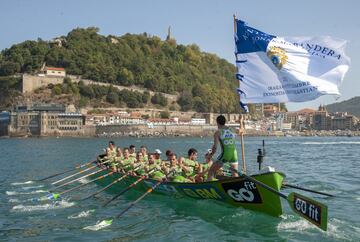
x=351, y=106
x=204, y=82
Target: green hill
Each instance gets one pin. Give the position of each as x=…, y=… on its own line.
x=351, y=106
x=205, y=82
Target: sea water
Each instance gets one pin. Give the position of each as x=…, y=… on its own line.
x=328, y=164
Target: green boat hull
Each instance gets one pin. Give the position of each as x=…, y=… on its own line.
x=238, y=192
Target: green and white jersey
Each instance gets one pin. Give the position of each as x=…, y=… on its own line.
x=111, y=152
x=228, y=148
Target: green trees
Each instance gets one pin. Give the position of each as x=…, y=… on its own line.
x=160, y=99
x=202, y=79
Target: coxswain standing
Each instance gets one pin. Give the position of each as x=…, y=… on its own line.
x=226, y=137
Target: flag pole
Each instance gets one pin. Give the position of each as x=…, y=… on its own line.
x=242, y=128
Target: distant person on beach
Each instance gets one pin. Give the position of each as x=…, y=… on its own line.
x=226, y=138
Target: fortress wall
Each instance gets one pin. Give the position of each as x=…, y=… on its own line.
x=32, y=82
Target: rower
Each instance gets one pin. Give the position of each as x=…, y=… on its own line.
x=226, y=137
x=176, y=171
x=168, y=155
x=116, y=160
x=132, y=151
x=190, y=163
x=127, y=160
x=203, y=169
x=157, y=174
x=157, y=154
x=111, y=150
x=143, y=151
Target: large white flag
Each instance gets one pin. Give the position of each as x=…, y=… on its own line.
x=287, y=69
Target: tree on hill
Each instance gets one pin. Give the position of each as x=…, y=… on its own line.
x=142, y=60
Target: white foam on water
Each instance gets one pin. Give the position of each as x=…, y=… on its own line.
x=333, y=143
x=82, y=214
x=298, y=226
x=12, y=193
x=21, y=183
x=32, y=187
x=358, y=198
x=14, y=200
x=50, y=206
x=98, y=225
x=83, y=180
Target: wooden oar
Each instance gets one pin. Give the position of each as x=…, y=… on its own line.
x=313, y=211
x=150, y=190
x=56, y=195
x=109, y=185
x=306, y=189
x=61, y=173
x=77, y=179
x=128, y=188
x=82, y=171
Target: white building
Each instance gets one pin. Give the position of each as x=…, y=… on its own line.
x=55, y=71
x=198, y=121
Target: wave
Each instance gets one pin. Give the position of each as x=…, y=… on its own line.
x=298, y=226
x=32, y=187
x=82, y=214
x=99, y=225
x=14, y=200
x=31, y=208
x=333, y=230
x=12, y=193
x=333, y=143
x=21, y=183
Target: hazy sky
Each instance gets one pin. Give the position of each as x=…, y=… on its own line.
x=208, y=23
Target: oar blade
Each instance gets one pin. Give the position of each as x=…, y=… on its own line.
x=313, y=211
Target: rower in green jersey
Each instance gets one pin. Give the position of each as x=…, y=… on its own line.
x=115, y=161
x=226, y=138
x=157, y=156
x=203, y=169
x=126, y=161
x=144, y=152
x=176, y=172
x=190, y=163
x=157, y=173
x=111, y=150
x=140, y=163
x=132, y=151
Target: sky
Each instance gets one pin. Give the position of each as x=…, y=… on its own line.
x=207, y=23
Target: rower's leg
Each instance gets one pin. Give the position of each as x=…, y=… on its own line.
x=213, y=169
x=234, y=167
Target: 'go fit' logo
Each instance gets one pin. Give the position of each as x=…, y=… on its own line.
x=242, y=191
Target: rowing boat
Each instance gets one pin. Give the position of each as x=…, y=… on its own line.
x=235, y=191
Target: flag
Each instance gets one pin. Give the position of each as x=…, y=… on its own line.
x=273, y=69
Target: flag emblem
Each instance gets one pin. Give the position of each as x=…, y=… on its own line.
x=277, y=56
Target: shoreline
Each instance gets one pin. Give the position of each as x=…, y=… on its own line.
x=320, y=133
